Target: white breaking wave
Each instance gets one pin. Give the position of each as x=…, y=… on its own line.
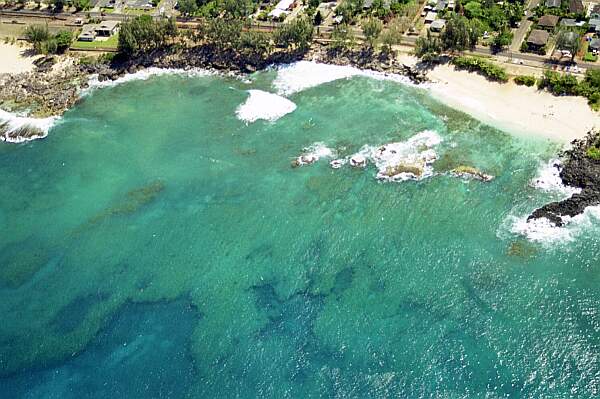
x=145, y=74
x=263, y=105
x=543, y=231
x=16, y=122
x=406, y=160
x=313, y=153
x=549, y=180
x=302, y=75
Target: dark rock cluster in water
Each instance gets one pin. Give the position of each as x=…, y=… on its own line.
x=578, y=170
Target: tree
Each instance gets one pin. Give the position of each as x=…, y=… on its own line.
x=342, y=38
x=503, y=39
x=63, y=40
x=82, y=5
x=37, y=35
x=143, y=33
x=372, y=28
x=460, y=34
x=427, y=48
x=238, y=8
x=223, y=32
x=255, y=43
x=318, y=19
x=188, y=7
x=297, y=33
x=390, y=37
x=569, y=41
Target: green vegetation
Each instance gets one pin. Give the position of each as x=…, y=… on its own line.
x=492, y=16
x=525, y=80
x=589, y=57
x=110, y=44
x=142, y=34
x=342, y=38
x=565, y=84
x=593, y=152
x=45, y=43
x=297, y=34
x=460, y=33
x=481, y=66
x=372, y=28
x=428, y=48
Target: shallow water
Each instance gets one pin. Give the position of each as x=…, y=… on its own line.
x=155, y=245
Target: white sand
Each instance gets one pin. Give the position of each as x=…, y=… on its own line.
x=515, y=109
x=14, y=59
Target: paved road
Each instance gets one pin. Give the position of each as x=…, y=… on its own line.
x=520, y=33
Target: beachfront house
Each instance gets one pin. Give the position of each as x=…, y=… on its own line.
x=594, y=25
x=595, y=45
x=553, y=3
x=88, y=34
x=430, y=17
x=107, y=28
x=568, y=23
x=576, y=7
x=537, y=40
x=282, y=9
x=548, y=22
x=437, y=25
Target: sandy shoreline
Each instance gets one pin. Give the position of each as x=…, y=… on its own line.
x=516, y=109
x=14, y=59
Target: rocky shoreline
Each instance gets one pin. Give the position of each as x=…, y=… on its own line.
x=578, y=170
x=49, y=91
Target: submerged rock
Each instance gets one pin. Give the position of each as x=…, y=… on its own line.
x=358, y=161
x=579, y=170
x=469, y=172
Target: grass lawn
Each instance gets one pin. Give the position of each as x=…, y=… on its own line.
x=138, y=11
x=111, y=43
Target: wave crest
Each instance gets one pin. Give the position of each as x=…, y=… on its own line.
x=263, y=105
x=15, y=128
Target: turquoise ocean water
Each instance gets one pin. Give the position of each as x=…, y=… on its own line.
x=156, y=246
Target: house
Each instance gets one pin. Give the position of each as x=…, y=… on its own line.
x=107, y=28
x=567, y=42
x=548, y=22
x=437, y=25
x=568, y=22
x=440, y=6
x=430, y=17
x=553, y=3
x=576, y=7
x=367, y=4
x=282, y=8
x=595, y=12
x=595, y=45
x=537, y=39
x=594, y=25
x=88, y=34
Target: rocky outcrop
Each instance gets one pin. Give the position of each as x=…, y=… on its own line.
x=580, y=171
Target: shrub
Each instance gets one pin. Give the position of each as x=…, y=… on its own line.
x=589, y=57
x=482, y=66
x=525, y=80
x=593, y=152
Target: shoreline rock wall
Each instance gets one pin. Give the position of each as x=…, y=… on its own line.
x=580, y=171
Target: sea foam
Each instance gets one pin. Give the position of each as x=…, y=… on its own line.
x=145, y=74
x=549, y=180
x=313, y=153
x=302, y=75
x=263, y=105
x=11, y=124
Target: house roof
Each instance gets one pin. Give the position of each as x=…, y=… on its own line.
x=431, y=16
x=438, y=24
x=538, y=37
x=548, y=21
x=568, y=22
x=595, y=44
x=595, y=9
x=594, y=22
x=576, y=6
x=553, y=3
x=109, y=25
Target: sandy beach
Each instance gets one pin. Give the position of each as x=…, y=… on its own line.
x=515, y=109
x=14, y=60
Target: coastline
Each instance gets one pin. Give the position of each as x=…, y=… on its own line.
x=15, y=59
x=515, y=109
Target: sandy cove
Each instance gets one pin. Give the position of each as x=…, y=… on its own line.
x=515, y=109
x=15, y=59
